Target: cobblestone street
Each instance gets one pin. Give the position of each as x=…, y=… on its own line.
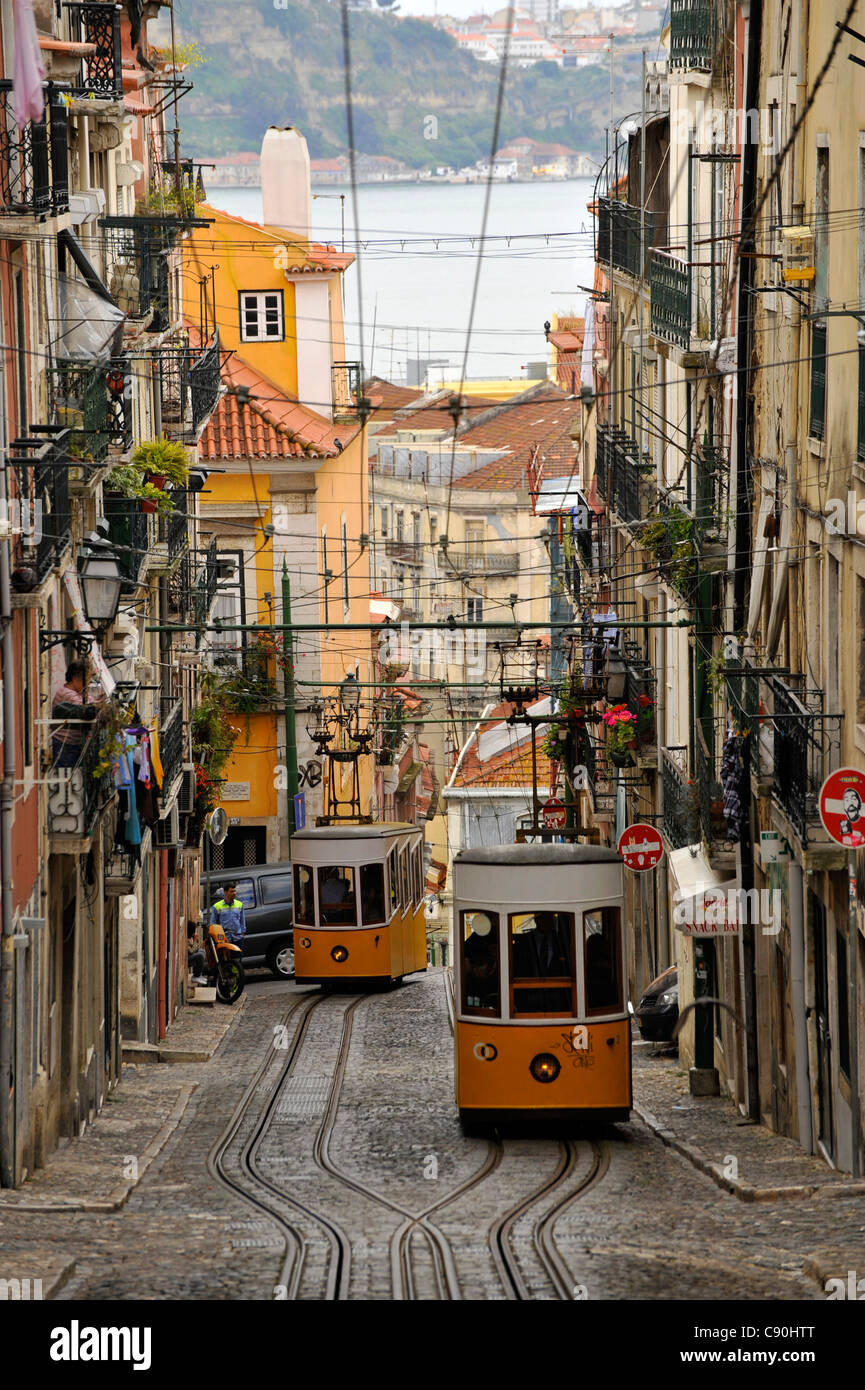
x=318, y=1154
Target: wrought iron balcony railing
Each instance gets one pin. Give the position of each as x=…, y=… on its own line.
x=345, y=378
x=693, y=33
x=174, y=528
x=34, y=158
x=679, y=820
x=102, y=72
x=51, y=491
x=713, y=822
x=129, y=532
x=670, y=297
x=204, y=594
x=93, y=402
x=807, y=746
x=204, y=382
x=171, y=744
x=640, y=684
x=468, y=558
x=623, y=476
x=411, y=552
x=618, y=238
x=77, y=794
x=134, y=252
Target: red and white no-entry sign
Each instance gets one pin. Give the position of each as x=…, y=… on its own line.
x=553, y=814
x=842, y=806
x=641, y=847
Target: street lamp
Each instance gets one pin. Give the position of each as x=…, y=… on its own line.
x=349, y=693
x=101, y=583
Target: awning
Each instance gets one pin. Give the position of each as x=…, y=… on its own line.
x=558, y=495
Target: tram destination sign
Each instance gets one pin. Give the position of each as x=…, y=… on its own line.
x=641, y=847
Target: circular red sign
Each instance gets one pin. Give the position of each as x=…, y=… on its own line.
x=553, y=814
x=641, y=847
x=842, y=806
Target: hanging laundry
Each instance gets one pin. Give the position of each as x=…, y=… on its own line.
x=28, y=73
x=732, y=770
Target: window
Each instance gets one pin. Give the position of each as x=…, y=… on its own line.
x=384, y=518
x=543, y=981
x=475, y=610
x=399, y=522
x=601, y=941
x=415, y=529
x=229, y=609
x=372, y=894
x=244, y=890
x=418, y=873
x=479, y=940
x=276, y=888
x=261, y=316
x=475, y=540
x=304, y=902
x=337, y=902
x=860, y=638
x=817, y=426
x=433, y=529
x=404, y=889
x=393, y=880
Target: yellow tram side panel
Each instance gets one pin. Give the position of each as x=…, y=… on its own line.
x=374, y=953
x=492, y=1063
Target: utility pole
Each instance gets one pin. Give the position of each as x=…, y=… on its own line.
x=288, y=676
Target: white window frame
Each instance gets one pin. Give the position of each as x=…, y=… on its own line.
x=253, y=301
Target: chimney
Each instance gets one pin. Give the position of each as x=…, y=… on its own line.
x=285, y=183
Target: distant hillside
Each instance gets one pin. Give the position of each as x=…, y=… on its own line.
x=268, y=66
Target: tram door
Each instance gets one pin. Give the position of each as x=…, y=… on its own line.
x=825, y=1131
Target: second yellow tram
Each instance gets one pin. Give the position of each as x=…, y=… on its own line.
x=542, y=1024
x=358, y=904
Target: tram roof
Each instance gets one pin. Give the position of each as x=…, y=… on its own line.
x=355, y=832
x=516, y=855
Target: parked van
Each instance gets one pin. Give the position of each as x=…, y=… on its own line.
x=265, y=891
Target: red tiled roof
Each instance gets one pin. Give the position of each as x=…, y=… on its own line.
x=565, y=341
x=512, y=767
x=541, y=423
x=417, y=410
x=273, y=426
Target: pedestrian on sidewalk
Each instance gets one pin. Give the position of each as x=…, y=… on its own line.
x=228, y=913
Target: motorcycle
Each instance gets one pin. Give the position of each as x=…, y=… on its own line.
x=225, y=964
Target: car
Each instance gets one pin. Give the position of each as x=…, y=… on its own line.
x=658, y=1010
x=266, y=894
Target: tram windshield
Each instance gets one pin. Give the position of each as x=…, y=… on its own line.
x=480, y=963
x=337, y=902
x=304, y=899
x=603, y=961
x=543, y=981
x=372, y=894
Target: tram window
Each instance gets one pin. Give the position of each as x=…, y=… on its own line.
x=304, y=904
x=337, y=903
x=418, y=874
x=480, y=963
x=542, y=964
x=393, y=878
x=372, y=894
x=404, y=890
x=601, y=935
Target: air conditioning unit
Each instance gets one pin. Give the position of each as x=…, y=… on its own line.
x=167, y=830
x=186, y=795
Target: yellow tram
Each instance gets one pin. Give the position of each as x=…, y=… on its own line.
x=358, y=904
x=542, y=1024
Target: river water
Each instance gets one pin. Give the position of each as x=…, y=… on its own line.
x=419, y=257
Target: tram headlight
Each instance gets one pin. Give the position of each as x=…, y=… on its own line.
x=545, y=1067
x=339, y=954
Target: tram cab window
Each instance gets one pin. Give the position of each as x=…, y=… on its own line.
x=418, y=873
x=393, y=879
x=337, y=903
x=601, y=934
x=372, y=894
x=304, y=902
x=404, y=889
x=480, y=963
x=543, y=981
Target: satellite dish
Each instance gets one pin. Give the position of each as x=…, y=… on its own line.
x=217, y=826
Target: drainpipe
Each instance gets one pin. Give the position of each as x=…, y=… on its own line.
x=7, y=789
x=797, y=987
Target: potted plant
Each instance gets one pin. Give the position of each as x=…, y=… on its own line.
x=162, y=461
x=621, y=734
x=153, y=499
x=646, y=719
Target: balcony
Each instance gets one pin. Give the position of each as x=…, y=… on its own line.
x=680, y=823
x=134, y=253
x=204, y=593
x=345, y=390
x=91, y=401
x=693, y=34
x=670, y=297
x=190, y=382
x=129, y=532
x=624, y=479
x=470, y=558
x=640, y=685
x=77, y=795
x=204, y=382
x=173, y=536
x=34, y=159
x=411, y=552
x=171, y=748
x=101, y=74
x=51, y=492
x=618, y=238
x=714, y=830
x=807, y=746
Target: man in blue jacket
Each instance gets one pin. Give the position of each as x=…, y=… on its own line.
x=228, y=913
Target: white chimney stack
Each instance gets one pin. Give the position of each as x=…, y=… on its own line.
x=285, y=181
